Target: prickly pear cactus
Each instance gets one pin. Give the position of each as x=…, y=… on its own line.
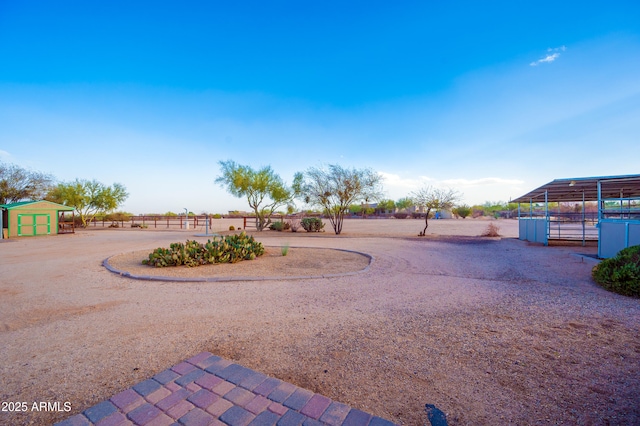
x=230, y=249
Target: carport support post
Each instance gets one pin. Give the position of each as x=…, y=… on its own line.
x=584, y=242
x=546, y=217
x=599, y=219
x=1, y=232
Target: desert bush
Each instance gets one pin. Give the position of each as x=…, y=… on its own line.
x=312, y=224
x=232, y=228
x=280, y=226
x=230, y=249
x=276, y=226
x=491, y=231
x=294, y=224
x=401, y=215
x=216, y=216
x=620, y=274
x=476, y=213
x=463, y=211
x=119, y=216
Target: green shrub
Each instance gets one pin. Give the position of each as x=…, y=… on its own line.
x=232, y=228
x=216, y=216
x=276, y=226
x=280, y=226
x=230, y=249
x=463, y=211
x=401, y=215
x=620, y=274
x=312, y=224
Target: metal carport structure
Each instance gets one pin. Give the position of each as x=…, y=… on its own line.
x=616, y=222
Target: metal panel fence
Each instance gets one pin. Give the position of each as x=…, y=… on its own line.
x=541, y=226
x=533, y=229
x=616, y=235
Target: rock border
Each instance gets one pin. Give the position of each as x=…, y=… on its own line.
x=127, y=274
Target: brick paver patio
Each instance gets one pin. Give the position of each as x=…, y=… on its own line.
x=209, y=390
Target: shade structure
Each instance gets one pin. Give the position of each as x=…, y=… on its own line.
x=572, y=189
x=617, y=222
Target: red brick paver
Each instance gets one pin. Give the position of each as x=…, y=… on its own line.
x=196, y=392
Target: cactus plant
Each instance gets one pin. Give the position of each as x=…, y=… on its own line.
x=312, y=224
x=230, y=249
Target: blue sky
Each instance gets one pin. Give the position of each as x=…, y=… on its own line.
x=490, y=98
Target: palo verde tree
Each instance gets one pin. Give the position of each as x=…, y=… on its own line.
x=462, y=210
x=265, y=191
x=430, y=198
x=18, y=184
x=335, y=189
x=385, y=206
x=89, y=197
x=404, y=203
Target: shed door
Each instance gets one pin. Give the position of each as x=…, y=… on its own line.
x=34, y=224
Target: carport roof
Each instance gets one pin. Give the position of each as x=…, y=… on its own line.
x=26, y=203
x=571, y=189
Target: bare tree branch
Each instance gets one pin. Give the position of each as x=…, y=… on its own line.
x=430, y=198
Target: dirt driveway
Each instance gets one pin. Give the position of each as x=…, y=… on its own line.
x=491, y=331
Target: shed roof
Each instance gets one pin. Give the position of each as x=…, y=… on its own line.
x=572, y=189
x=50, y=205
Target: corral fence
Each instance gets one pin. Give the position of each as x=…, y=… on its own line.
x=251, y=222
x=144, y=221
x=168, y=222
x=543, y=226
x=180, y=222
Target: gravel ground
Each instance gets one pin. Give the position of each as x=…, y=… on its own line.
x=490, y=330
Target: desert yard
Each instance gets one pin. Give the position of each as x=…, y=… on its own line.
x=489, y=330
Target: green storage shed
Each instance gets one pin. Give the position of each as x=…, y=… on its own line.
x=31, y=218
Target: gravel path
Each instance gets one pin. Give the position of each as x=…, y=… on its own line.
x=489, y=330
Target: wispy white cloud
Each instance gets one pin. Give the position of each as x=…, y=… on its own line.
x=473, y=190
x=391, y=180
x=552, y=55
x=482, y=182
x=549, y=58
x=4, y=155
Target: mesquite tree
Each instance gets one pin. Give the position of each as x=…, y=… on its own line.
x=430, y=198
x=18, y=184
x=335, y=189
